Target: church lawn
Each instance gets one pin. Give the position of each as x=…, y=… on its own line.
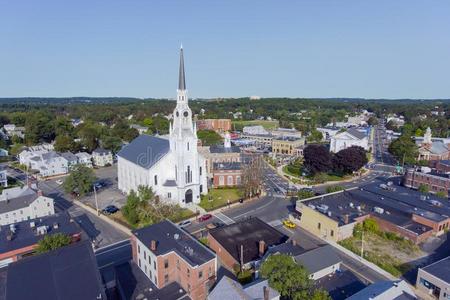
x=219, y=198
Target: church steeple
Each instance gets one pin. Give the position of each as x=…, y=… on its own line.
x=181, y=79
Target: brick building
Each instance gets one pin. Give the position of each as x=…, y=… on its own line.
x=219, y=125
x=287, y=145
x=436, y=182
x=227, y=174
x=167, y=254
x=243, y=243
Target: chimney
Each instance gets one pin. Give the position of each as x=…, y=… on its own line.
x=266, y=292
x=345, y=219
x=153, y=245
x=294, y=243
x=262, y=248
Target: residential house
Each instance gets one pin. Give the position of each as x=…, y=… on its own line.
x=139, y=128
x=434, y=279
x=68, y=273
x=319, y=262
x=3, y=152
x=228, y=288
x=385, y=290
x=24, y=203
x=71, y=159
x=49, y=164
x=350, y=137
x=13, y=130
x=20, y=239
x=102, y=157
x=167, y=254
x=26, y=154
x=84, y=158
x=3, y=177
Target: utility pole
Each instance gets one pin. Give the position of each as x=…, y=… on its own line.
x=96, y=201
x=362, y=243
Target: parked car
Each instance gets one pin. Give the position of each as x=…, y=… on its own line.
x=289, y=224
x=98, y=185
x=205, y=217
x=59, y=182
x=110, y=209
x=184, y=223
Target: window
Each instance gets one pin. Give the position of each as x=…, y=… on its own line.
x=145, y=255
x=156, y=179
x=154, y=264
x=166, y=278
x=139, y=262
x=188, y=146
x=200, y=171
x=139, y=249
x=332, y=232
x=188, y=272
x=166, y=263
x=178, y=264
x=238, y=180
x=230, y=180
x=201, y=188
x=200, y=274
x=318, y=225
x=221, y=180
x=149, y=260
x=169, y=195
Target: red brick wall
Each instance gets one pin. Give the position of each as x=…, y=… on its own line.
x=188, y=277
x=434, y=183
x=227, y=260
x=225, y=174
x=438, y=227
x=388, y=226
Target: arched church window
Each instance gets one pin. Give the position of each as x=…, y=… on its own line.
x=178, y=114
x=188, y=146
x=156, y=179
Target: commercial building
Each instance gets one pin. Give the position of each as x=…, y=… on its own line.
x=68, y=273
x=348, y=138
x=435, y=182
x=287, y=145
x=244, y=243
x=442, y=166
x=24, y=203
x=20, y=239
x=259, y=139
x=225, y=153
x=102, y=157
x=286, y=133
x=385, y=290
x=167, y=254
x=218, y=125
x=228, y=288
x=434, y=279
x=403, y=212
x=254, y=130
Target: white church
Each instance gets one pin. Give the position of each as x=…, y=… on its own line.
x=172, y=167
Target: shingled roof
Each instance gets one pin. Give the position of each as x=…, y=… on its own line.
x=145, y=150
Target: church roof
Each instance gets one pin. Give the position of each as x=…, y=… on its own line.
x=181, y=79
x=145, y=150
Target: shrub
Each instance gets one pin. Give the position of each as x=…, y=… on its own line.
x=334, y=188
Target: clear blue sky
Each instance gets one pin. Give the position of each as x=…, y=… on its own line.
x=373, y=49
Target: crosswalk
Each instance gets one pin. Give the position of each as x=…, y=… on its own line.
x=225, y=219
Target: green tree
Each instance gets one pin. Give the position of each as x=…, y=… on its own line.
x=15, y=149
x=334, y=188
x=112, y=143
x=371, y=225
x=320, y=295
x=39, y=128
x=209, y=137
x=441, y=194
x=89, y=134
x=404, y=149
x=64, y=143
x=53, y=242
x=288, y=278
x=423, y=188
x=304, y=194
x=80, y=180
x=372, y=121
x=315, y=136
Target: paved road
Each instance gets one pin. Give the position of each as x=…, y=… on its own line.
x=114, y=255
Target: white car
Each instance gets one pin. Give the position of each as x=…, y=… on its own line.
x=59, y=182
x=185, y=224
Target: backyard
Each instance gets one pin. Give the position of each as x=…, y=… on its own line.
x=219, y=197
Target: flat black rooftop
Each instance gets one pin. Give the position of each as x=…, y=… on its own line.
x=135, y=285
x=222, y=149
x=25, y=235
x=247, y=233
x=356, y=203
x=440, y=269
x=170, y=237
x=68, y=273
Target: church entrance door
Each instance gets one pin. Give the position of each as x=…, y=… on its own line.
x=188, y=196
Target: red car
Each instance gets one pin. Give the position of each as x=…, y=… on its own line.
x=204, y=217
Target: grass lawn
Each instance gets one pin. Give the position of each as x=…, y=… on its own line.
x=219, y=198
x=266, y=124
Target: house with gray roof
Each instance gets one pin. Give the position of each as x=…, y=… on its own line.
x=319, y=262
x=23, y=203
x=102, y=157
x=434, y=279
x=385, y=290
x=227, y=288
